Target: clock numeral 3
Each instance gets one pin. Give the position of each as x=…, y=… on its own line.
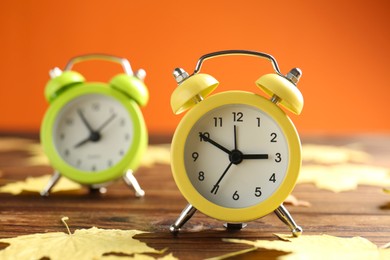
x=278, y=158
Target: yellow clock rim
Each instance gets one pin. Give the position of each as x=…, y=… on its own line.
x=235, y=214
x=130, y=160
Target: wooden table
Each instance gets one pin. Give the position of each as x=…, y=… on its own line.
x=364, y=212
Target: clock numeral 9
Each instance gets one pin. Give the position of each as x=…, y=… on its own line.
x=258, y=192
x=195, y=156
x=237, y=116
x=236, y=196
x=278, y=158
x=201, y=176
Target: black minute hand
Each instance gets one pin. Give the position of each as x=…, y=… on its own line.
x=207, y=139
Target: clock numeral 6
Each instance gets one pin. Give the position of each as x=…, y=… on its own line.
x=236, y=196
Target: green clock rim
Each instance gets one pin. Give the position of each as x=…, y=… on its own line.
x=130, y=160
x=225, y=213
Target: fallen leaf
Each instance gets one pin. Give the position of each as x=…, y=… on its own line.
x=328, y=154
x=88, y=244
x=320, y=247
x=343, y=177
x=386, y=191
x=14, y=144
x=139, y=257
x=229, y=255
x=36, y=184
x=156, y=154
x=292, y=200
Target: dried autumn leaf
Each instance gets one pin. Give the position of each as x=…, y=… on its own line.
x=36, y=184
x=88, y=244
x=14, y=144
x=320, y=247
x=328, y=154
x=386, y=191
x=343, y=177
x=156, y=154
x=292, y=200
x=139, y=257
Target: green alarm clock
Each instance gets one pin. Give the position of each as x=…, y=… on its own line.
x=94, y=132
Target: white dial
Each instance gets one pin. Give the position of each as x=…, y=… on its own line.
x=236, y=156
x=93, y=132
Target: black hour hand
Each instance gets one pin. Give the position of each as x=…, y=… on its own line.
x=255, y=156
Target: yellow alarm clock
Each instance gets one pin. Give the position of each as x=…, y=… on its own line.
x=236, y=155
x=94, y=132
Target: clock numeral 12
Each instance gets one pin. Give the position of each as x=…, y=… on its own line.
x=237, y=116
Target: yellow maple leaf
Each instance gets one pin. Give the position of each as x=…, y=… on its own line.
x=319, y=247
x=387, y=190
x=343, y=177
x=329, y=154
x=88, y=244
x=36, y=184
x=139, y=257
x=14, y=143
x=292, y=200
x=156, y=154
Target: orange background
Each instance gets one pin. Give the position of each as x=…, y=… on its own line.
x=342, y=48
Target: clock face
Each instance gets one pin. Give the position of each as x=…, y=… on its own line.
x=93, y=132
x=236, y=156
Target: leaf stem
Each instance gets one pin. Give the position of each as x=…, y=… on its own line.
x=63, y=219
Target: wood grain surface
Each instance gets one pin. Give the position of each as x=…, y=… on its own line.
x=363, y=212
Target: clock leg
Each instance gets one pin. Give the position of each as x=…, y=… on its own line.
x=52, y=182
x=286, y=218
x=185, y=215
x=131, y=181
